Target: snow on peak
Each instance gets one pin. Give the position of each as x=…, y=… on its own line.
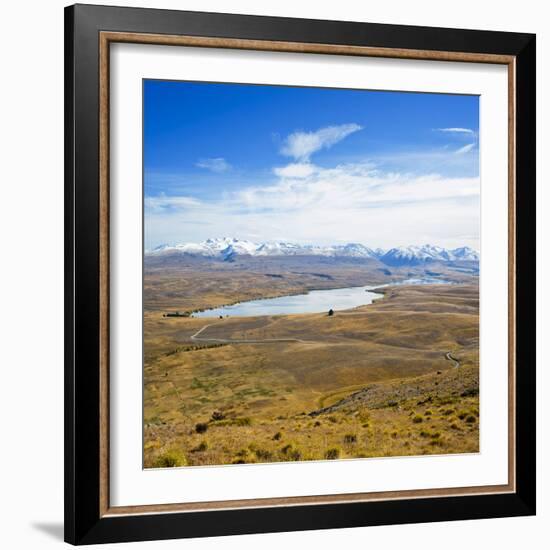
x=414, y=255
x=227, y=248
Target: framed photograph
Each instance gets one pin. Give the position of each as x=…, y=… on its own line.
x=300, y=274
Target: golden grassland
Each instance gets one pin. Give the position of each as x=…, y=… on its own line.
x=369, y=382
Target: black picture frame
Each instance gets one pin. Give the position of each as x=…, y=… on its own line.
x=84, y=523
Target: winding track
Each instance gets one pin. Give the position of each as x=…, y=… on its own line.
x=244, y=341
x=455, y=362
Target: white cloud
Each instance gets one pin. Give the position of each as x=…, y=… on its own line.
x=163, y=203
x=347, y=203
x=465, y=149
x=295, y=170
x=301, y=145
x=217, y=165
x=456, y=130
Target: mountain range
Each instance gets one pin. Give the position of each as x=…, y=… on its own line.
x=228, y=248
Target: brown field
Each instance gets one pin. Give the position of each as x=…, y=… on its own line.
x=373, y=381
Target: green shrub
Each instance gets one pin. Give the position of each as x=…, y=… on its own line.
x=263, y=454
x=417, y=419
x=286, y=449
x=172, y=458
x=350, y=438
x=201, y=427
x=295, y=454
x=277, y=436
x=217, y=415
x=291, y=452
x=243, y=454
x=202, y=446
x=470, y=419
x=333, y=453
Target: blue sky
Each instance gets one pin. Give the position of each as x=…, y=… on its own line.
x=311, y=165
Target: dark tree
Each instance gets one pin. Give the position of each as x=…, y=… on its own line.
x=330, y=312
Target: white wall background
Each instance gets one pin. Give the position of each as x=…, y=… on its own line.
x=31, y=276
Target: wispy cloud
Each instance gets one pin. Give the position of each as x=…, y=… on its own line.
x=163, y=203
x=217, y=165
x=295, y=170
x=345, y=203
x=465, y=149
x=456, y=130
x=301, y=145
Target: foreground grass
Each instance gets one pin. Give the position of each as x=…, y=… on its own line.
x=371, y=382
x=444, y=420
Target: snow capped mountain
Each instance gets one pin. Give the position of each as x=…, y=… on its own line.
x=465, y=253
x=281, y=249
x=227, y=248
x=354, y=250
x=416, y=255
x=224, y=248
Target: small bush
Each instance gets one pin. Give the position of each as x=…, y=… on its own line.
x=470, y=419
x=295, y=454
x=417, y=419
x=428, y=413
x=217, y=415
x=317, y=424
x=291, y=452
x=263, y=454
x=170, y=459
x=201, y=427
x=333, y=419
x=350, y=438
x=470, y=392
x=447, y=412
x=277, y=436
x=243, y=454
x=286, y=449
x=332, y=453
x=202, y=446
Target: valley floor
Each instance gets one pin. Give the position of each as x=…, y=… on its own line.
x=394, y=378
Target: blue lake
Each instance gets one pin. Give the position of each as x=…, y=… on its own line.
x=315, y=301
